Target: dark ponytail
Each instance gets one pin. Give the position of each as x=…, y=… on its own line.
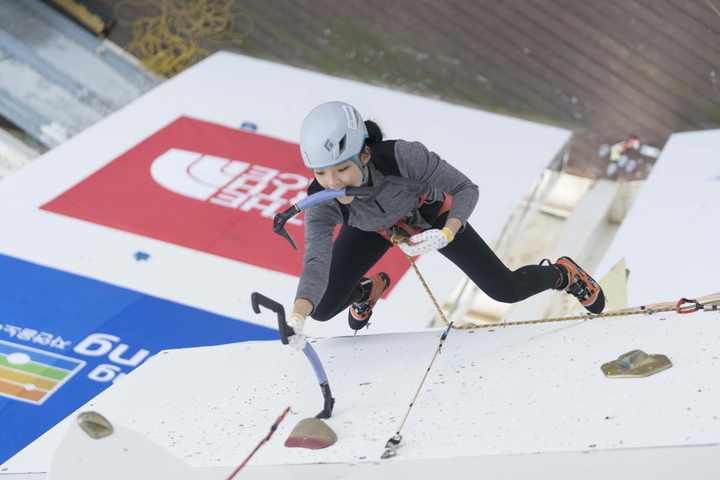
x=374, y=133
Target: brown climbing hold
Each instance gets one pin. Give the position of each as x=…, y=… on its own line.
x=311, y=433
x=95, y=425
x=636, y=364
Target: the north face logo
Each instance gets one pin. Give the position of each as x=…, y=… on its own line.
x=229, y=183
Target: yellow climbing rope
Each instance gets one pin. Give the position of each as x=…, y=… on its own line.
x=680, y=308
x=684, y=305
x=169, y=43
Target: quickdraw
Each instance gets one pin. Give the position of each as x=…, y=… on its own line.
x=696, y=306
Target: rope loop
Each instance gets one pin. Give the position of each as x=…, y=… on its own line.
x=397, y=237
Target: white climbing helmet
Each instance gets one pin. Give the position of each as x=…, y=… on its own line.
x=330, y=134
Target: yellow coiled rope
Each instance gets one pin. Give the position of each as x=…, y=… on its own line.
x=170, y=42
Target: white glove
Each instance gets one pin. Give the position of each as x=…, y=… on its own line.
x=427, y=241
x=296, y=322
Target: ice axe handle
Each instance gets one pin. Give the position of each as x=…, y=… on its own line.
x=258, y=299
x=286, y=331
x=309, y=352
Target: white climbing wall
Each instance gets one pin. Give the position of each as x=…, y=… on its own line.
x=513, y=391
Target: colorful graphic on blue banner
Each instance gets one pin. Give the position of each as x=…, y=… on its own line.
x=31, y=375
x=65, y=338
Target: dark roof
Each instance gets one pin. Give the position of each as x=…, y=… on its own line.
x=606, y=70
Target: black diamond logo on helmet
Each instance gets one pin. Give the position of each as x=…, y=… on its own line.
x=329, y=145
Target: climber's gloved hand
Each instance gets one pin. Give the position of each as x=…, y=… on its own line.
x=427, y=241
x=297, y=322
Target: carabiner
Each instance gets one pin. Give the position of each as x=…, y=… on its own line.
x=697, y=306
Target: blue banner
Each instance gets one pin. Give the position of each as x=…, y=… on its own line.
x=65, y=338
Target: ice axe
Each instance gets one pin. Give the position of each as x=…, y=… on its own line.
x=410, y=185
x=286, y=331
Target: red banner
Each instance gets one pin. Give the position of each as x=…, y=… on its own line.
x=206, y=187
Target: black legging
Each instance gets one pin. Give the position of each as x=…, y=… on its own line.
x=356, y=251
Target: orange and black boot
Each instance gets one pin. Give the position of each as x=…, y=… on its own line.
x=373, y=286
x=581, y=285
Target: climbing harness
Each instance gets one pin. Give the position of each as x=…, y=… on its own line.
x=272, y=430
x=443, y=205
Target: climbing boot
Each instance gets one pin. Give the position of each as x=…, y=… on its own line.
x=373, y=287
x=581, y=285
